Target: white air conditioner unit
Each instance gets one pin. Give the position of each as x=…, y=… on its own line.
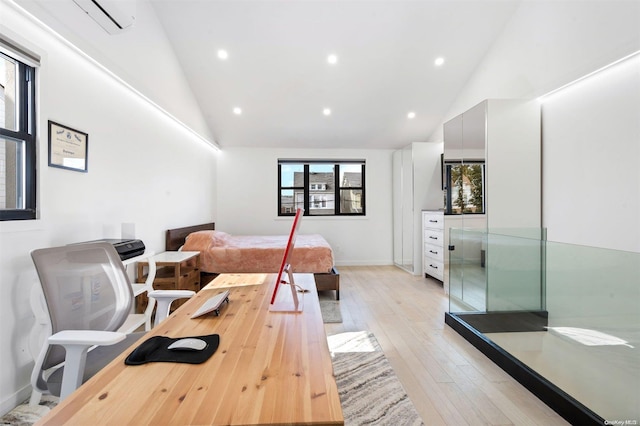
x=112, y=15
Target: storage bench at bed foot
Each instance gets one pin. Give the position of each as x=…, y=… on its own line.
x=328, y=281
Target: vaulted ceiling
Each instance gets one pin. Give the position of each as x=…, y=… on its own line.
x=277, y=70
x=278, y=74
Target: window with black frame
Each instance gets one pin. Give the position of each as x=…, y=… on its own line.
x=321, y=187
x=17, y=139
x=464, y=187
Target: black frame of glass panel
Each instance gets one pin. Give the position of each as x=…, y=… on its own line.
x=558, y=400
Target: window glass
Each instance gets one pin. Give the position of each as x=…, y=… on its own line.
x=351, y=201
x=11, y=172
x=289, y=173
x=17, y=140
x=465, y=188
x=8, y=101
x=321, y=187
x=291, y=186
x=351, y=175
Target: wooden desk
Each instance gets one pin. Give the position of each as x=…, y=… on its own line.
x=270, y=368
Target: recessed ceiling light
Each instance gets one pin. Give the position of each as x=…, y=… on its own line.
x=332, y=59
x=439, y=61
x=326, y=111
x=411, y=115
x=222, y=54
x=237, y=111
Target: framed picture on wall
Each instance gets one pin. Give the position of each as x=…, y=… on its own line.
x=68, y=148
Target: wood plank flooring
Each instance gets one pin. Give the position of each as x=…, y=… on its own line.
x=449, y=381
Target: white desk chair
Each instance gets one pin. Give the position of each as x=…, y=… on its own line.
x=88, y=297
x=164, y=298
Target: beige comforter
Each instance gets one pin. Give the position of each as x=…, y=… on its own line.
x=225, y=253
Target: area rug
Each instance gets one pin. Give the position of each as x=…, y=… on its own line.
x=370, y=392
x=330, y=311
x=26, y=415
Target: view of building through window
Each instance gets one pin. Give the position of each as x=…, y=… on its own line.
x=321, y=188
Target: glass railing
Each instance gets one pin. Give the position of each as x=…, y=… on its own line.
x=569, y=313
x=497, y=271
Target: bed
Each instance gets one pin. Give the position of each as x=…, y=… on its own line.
x=221, y=252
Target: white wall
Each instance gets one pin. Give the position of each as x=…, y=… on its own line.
x=248, y=202
x=143, y=169
x=545, y=46
x=141, y=55
x=591, y=132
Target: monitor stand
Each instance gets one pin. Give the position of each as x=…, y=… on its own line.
x=287, y=301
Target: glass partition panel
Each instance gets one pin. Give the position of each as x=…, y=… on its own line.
x=515, y=279
x=586, y=341
x=456, y=300
x=467, y=272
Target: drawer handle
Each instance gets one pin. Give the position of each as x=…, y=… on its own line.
x=433, y=266
x=434, y=252
x=433, y=221
x=432, y=237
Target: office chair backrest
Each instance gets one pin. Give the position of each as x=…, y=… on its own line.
x=85, y=287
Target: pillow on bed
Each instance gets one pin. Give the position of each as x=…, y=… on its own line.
x=207, y=239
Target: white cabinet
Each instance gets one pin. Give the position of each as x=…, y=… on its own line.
x=433, y=244
x=416, y=186
x=504, y=136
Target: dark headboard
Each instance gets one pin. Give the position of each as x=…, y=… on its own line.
x=175, y=237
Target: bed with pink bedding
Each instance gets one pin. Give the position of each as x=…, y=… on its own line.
x=221, y=252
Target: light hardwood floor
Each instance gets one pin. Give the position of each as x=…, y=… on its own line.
x=449, y=381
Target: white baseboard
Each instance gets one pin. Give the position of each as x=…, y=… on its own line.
x=364, y=263
x=15, y=399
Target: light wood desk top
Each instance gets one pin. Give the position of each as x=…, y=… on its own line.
x=270, y=368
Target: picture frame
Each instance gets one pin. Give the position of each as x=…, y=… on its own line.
x=68, y=148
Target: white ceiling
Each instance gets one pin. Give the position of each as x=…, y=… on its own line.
x=277, y=69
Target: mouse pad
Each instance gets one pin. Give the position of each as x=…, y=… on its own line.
x=155, y=350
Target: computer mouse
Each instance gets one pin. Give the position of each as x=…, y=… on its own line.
x=188, y=344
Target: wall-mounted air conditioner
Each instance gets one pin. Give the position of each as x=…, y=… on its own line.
x=112, y=15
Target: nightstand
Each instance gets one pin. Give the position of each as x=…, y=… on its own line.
x=175, y=270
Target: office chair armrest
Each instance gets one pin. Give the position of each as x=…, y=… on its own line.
x=171, y=294
x=165, y=298
x=86, y=337
x=76, y=343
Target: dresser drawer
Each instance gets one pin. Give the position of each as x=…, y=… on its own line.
x=433, y=236
x=434, y=220
x=434, y=252
x=434, y=268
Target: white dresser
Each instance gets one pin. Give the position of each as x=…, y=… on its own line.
x=433, y=243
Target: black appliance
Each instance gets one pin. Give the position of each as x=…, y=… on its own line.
x=125, y=248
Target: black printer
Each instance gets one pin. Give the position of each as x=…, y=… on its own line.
x=125, y=248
